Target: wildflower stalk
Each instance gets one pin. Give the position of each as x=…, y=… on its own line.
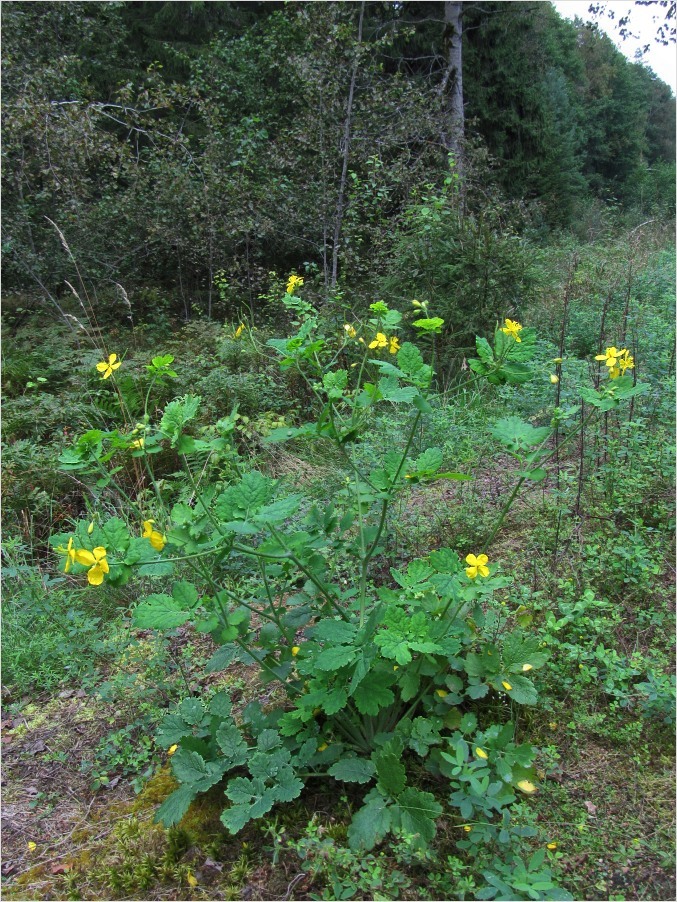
x=518, y=486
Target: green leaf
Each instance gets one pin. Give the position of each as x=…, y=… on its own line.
x=221, y=658
x=484, y=351
x=409, y=359
x=192, y=710
x=185, y=594
x=509, y=349
x=428, y=463
x=418, y=811
x=220, y=705
x=335, y=658
x=336, y=631
x=424, y=734
x=191, y=768
x=156, y=568
x=478, y=690
x=374, y=694
x=353, y=770
x=245, y=498
x=444, y=560
x=390, y=390
x=370, y=824
x=335, y=383
x=404, y=633
x=421, y=404
x=429, y=325
x=172, y=729
x=160, y=612
x=518, y=651
x=523, y=690
x=177, y=414
x=515, y=373
x=232, y=745
x=279, y=510
x=390, y=771
x=409, y=684
x=175, y=806
x=517, y=435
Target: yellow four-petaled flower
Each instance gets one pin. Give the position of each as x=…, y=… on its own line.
x=156, y=539
x=476, y=565
x=294, y=283
x=106, y=367
x=618, y=361
x=512, y=328
x=96, y=561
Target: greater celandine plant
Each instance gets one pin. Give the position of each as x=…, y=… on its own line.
x=371, y=682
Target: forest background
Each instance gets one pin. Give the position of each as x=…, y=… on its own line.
x=166, y=167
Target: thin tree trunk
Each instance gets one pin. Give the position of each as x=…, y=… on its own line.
x=340, y=203
x=452, y=83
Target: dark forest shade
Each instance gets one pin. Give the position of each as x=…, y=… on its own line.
x=170, y=140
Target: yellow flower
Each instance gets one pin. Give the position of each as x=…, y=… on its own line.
x=238, y=331
x=512, y=328
x=441, y=692
x=380, y=341
x=294, y=283
x=554, y=379
x=156, y=539
x=467, y=828
x=70, y=555
x=96, y=561
x=552, y=846
x=137, y=443
x=322, y=747
x=393, y=345
x=172, y=749
x=476, y=565
x=558, y=360
x=553, y=725
x=295, y=650
x=610, y=356
x=32, y=846
x=106, y=367
x=626, y=362
x=481, y=753
x=350, y=331
x=526, y=786
x=526, y=667
x=506, y=685
x=191, y=879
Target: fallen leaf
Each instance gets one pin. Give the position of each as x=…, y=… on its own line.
x=61, y=868
x=210, y=863
x=592, y=809
x=34, y=748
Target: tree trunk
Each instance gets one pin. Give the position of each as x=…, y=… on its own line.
x=340, y=203
x=452, y=83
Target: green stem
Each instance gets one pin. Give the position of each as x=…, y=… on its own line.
x=324, y=590
x=513, y=494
